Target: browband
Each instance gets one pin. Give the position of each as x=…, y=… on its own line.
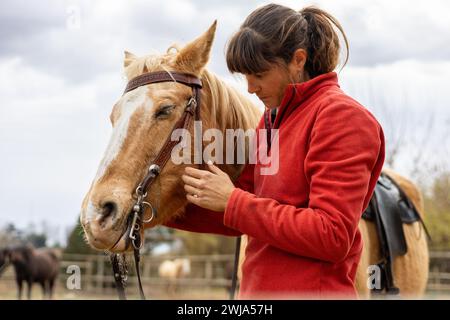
x=163, y=76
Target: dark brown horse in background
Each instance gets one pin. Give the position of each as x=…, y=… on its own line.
x=32, y=266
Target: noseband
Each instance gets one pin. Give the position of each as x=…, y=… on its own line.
x=136, y=219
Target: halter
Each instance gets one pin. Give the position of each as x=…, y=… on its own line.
x=136, y=220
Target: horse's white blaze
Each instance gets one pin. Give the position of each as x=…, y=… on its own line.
x=131, y=101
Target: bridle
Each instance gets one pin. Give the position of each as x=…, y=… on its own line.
x=135, y=221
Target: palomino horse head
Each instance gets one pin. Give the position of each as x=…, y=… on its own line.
x=142, y=120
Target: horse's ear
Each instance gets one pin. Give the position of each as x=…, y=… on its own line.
x=194, y=56
x=129, y=58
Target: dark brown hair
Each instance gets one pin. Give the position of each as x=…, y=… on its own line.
x=272, y=33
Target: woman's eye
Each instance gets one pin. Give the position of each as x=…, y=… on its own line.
x=164, y=111
x=259, y=75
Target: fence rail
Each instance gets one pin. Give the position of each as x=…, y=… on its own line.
x=439, y=276
x=208, y=272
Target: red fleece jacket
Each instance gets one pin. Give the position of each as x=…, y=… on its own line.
x=302, y=222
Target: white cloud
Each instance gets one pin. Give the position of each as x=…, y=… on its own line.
x=410, y=99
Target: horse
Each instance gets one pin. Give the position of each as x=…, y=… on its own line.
x=142, y=120
x=171, y=270
x=32, y=266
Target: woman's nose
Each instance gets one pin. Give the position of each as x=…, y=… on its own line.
x=252, y=88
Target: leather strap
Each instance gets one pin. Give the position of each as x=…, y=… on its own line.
x=163, y=76
x=137, y=259
x=192, y=110
x=119, y=273
x=235, y=268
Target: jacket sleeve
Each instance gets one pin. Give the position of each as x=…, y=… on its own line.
x=344, y=160
x=197, y=219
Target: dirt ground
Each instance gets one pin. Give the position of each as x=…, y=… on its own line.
x=8, y=292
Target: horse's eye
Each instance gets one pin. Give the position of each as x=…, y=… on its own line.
x=164, y=111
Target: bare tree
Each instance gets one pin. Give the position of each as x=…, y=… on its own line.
x=406, y=130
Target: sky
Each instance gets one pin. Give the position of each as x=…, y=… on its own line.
x=61, y=72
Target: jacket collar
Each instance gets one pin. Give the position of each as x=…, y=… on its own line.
x=297, y=93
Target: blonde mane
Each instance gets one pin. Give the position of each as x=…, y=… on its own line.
x=227, y=106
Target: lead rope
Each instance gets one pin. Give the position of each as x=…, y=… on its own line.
x=135, y=234
x=235, y=269
x=137, y=259
x=119, y=265
x=120, y=273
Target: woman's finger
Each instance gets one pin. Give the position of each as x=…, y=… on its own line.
x=191, y=181
x=191, y=190
x=213, y=168
x=193, y=199
x=193, y=172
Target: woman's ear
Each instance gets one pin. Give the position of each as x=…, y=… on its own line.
x=299, y=58
x=297, y=64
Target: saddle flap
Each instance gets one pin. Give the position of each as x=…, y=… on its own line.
x=390, y=216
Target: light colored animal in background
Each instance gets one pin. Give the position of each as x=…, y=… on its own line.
x=171, y=270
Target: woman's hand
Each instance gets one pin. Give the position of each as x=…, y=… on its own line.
x=208, y=189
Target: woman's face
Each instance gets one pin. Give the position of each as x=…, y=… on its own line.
x=270, y=85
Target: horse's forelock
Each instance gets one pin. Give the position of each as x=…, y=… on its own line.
x=150, y=63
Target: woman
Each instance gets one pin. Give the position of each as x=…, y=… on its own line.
x=302, y=222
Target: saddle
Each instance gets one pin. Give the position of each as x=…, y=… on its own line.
x=389, y=209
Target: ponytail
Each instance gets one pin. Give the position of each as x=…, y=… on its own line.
x=323, y=42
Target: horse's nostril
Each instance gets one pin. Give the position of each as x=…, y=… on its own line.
x=109, y=210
